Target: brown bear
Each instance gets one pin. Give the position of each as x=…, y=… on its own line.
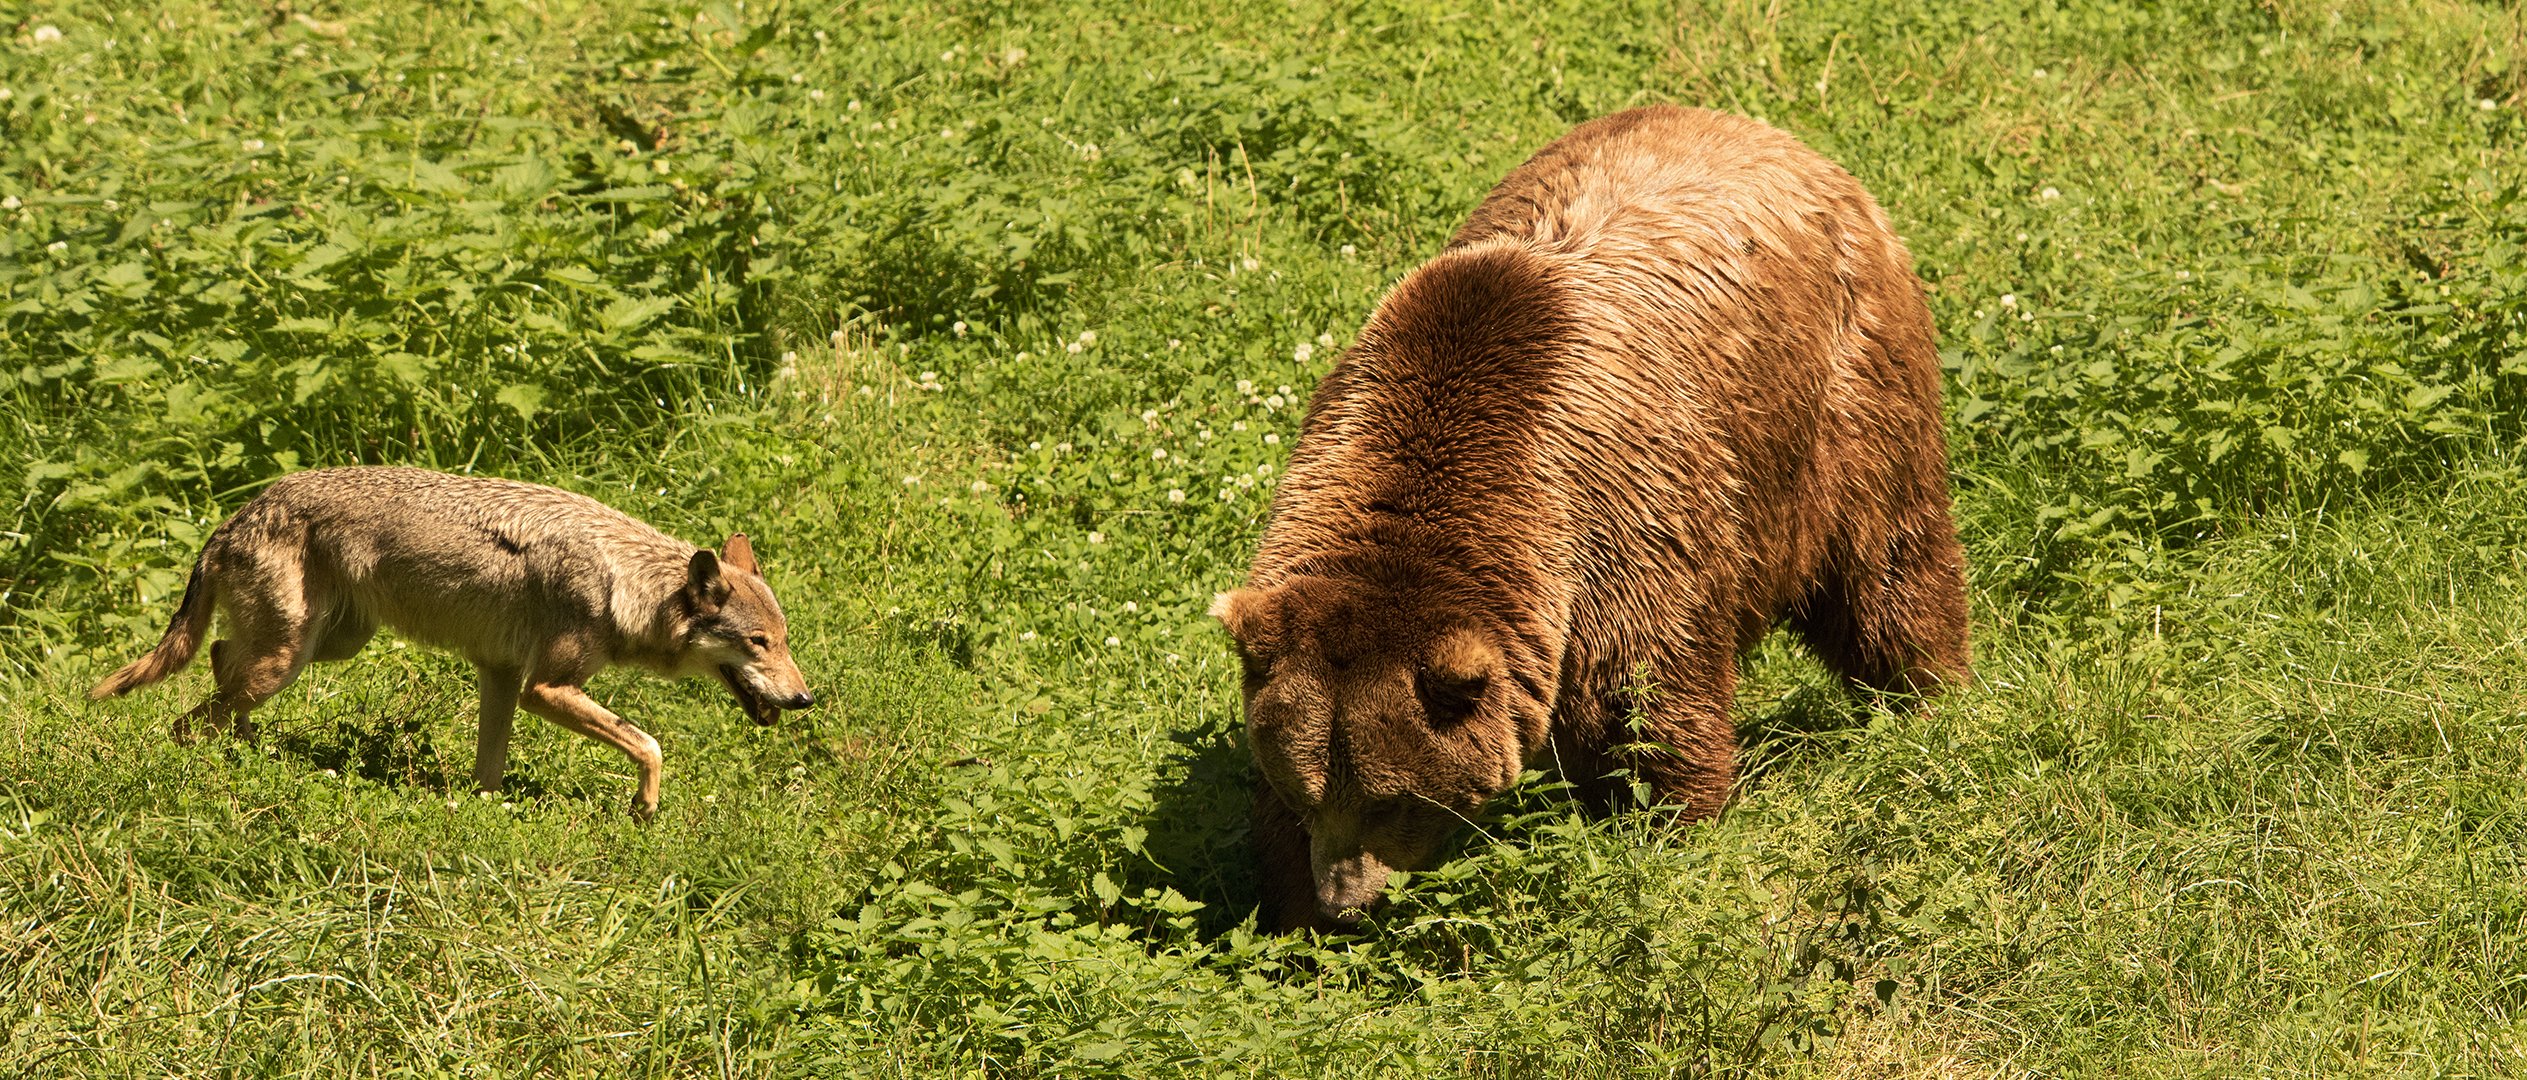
x=1673, y=382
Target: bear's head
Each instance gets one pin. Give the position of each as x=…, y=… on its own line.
x=1383, y=718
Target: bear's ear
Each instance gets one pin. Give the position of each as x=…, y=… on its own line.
x=1453, y=677
x=1253, y=621
x=1247, y=613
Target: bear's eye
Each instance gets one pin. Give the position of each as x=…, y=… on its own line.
x=1448, y=700
x=759, y=641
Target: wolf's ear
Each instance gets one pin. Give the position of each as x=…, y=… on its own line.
x=1454, y=675
x=739, y=552
x=1247, y=613
x=704, y=585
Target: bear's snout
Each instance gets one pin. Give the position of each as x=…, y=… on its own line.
x=1347, y=887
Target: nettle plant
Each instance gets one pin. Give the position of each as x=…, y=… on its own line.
x=2174, y=401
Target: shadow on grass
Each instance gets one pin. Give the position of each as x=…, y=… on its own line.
x=396, y=750
x=1807, y=725
x=1199, y=837
x=1199, y=841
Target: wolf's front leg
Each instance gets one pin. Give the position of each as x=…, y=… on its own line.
x=572, y=708
x=500, y=688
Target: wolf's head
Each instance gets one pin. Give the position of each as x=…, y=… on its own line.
x=736, y=631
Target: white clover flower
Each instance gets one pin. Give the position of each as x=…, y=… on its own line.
x=1131, y=605
x=980, y=486
x=1072, y=348
x=1174, y=343
x=1239, y=425
x=853, y=105
x=1091, y=153
x=912, y=481
x=1349, y=251
x=1112, y=641
x=1061, y=448
x=1204, y=435
x=2184, y=275
x=2009, y=300
x=47, y=34
x=930, y=376
x=1087, y=337
x=1149, y=416
x=816, y=95
x=1303, y=352
x=1285, y=390
x=2040, y=73
x=57, y=246
x=1158, y=455
x=10, y=203
x=1027, y=636
x=1227, y=493
x=2049, y=194
x=1245, y=386
x=1013, y=57
x=2022, y=238
x=1175, y=495
x=1245, y=481
x=948, y=55
x=1096, y=537
x=1325, y=339
x=253, y=146
x=1251, y=264
x=1264, y=469
x=1035, y=446
x=1275, y=401
x=2487, y=104
x=6, y=93
x=1272, y=438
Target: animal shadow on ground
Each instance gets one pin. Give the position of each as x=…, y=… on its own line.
x=1199, y=841
x=394, y=749
x=1809, y=724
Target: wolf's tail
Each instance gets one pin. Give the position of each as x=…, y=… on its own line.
x=183, y=638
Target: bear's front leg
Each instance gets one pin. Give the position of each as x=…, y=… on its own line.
x=1285, y=877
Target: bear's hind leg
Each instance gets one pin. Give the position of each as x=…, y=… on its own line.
x=1894, y=619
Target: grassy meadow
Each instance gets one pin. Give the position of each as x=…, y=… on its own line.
x=991, y=323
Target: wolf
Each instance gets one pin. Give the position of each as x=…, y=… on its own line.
x=541, y=588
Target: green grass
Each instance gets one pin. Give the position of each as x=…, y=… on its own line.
x=915, y=295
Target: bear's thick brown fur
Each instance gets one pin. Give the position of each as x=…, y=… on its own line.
x=1673, y=382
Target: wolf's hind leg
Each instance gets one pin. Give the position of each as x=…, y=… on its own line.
x=500, y=687
x=349, y=633
x=220, y=676
x=250, y=678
